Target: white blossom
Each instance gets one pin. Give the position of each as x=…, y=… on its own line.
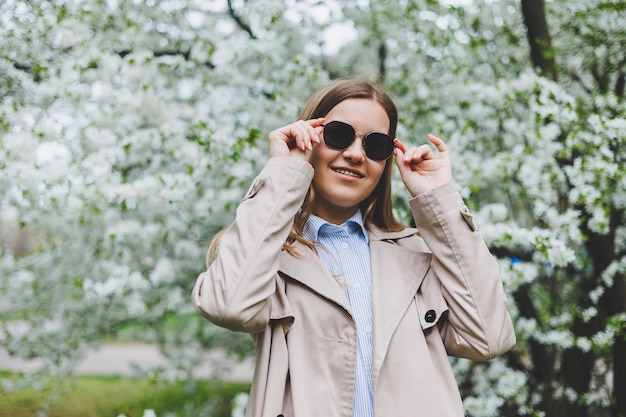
x=129, y=132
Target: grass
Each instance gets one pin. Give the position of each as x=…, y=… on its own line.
x=96, y=396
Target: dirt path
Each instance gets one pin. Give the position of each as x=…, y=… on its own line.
x=132, y=359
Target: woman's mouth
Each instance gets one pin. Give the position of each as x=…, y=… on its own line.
x=348, y=173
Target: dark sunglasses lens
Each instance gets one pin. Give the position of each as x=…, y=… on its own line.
x=338, y=135
x=378, y=146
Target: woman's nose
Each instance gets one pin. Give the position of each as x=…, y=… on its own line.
x=355, y=151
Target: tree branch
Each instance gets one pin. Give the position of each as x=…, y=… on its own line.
x=169, y=52
x=382, y=57
x=541, y=50
x=620, y=84
x=243, y=25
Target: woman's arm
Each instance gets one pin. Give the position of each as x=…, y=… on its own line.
x=235, y=291
x=478, y=325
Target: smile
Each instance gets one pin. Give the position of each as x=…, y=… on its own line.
x=348, y=173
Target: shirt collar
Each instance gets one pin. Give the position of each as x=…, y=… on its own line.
x=316, y=226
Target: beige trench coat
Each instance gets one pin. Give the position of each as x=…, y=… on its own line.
x=435, y=294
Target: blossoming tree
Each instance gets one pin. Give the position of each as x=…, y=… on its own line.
x=129, y=131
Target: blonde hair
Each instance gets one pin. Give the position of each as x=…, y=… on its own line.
x=211, y=253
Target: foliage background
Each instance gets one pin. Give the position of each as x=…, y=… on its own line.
x=129, y=131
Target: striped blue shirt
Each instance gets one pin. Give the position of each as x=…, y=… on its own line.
x=345, y=252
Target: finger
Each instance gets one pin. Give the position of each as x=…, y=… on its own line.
x=302, y=133
x=416, y=155
x=312, y=135
x=318, y=132
x=439, y=144
x=316, y=128
x=399, y=144
x=316, y=122
x=403, y=167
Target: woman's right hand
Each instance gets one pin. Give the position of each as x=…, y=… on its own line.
x=296, y=139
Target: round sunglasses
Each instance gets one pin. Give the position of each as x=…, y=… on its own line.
x=339, y=136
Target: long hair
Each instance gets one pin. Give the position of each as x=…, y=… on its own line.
x=377, y=207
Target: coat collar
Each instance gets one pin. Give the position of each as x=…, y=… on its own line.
x=308, y=269
x=377, y=233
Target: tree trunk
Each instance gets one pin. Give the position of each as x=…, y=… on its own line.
x=619, y=352
x=541, y=51
x=576, y=372
x=619, y=375
x=382, y=60
x=542, y=357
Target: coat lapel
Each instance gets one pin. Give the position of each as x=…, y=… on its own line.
x=397, y=274
x=309, y=270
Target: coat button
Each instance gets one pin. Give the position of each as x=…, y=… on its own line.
x=430, y=316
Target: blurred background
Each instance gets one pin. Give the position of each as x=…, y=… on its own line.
x=130, y=130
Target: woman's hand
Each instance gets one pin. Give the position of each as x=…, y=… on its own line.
x=296, y=139
x=420, y=168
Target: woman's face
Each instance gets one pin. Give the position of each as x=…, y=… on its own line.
x=343, y=179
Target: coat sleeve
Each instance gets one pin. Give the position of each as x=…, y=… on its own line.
x=478, y=325
x=240, y=286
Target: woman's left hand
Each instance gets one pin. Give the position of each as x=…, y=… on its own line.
x=420, y=168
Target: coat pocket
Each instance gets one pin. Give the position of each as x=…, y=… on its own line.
x=431, y=305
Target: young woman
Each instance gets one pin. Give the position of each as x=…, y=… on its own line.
x=353, y=314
